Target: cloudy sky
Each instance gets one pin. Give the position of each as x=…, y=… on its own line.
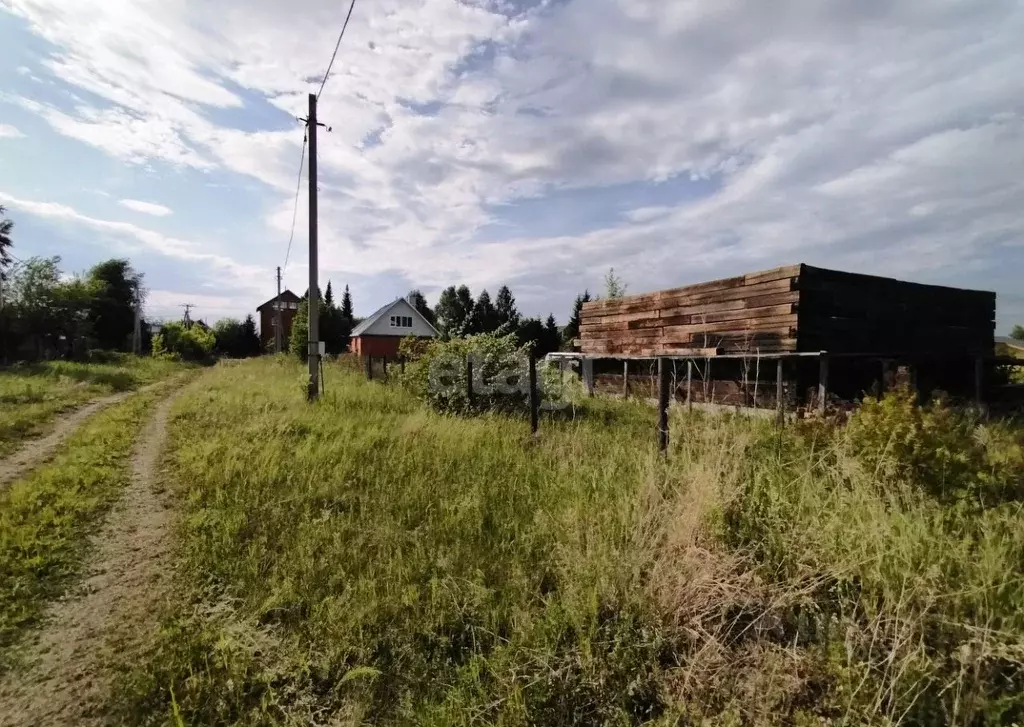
x=533, y=143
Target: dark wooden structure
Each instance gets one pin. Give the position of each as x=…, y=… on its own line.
x=289, y=303
x=837, y=333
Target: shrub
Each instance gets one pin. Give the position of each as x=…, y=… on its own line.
x=194, y=343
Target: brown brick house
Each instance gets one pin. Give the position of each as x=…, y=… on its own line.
x=268, y=319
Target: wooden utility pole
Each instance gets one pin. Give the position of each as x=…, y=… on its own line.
x=278, y=333
x=314, y=286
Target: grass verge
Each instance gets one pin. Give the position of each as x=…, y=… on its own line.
x=365, y=560
x=45, y=517
x=31, y=396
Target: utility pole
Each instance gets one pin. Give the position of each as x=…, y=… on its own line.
x=278, y=333
x=137, y=329
x=313, y=392
x=187, y=320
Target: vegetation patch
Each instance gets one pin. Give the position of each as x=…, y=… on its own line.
x=369, y=560
x=45, y=518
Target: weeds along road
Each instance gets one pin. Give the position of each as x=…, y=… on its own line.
x=57, y=673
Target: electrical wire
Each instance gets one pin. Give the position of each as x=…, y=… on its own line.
x=336, y=46
x=295, y=208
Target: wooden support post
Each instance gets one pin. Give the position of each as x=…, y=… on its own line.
x=689, y=385
x=534, y=395
x=979, y=383
x=469, y=381
x=780, y=401
x=588, y=375
x=663, y=381
x=625, y=379
x=822, y=382
x=369, y=368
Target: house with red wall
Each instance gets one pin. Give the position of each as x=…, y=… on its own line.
x=382, y=332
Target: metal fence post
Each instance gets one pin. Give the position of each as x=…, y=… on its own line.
x=534, y=395
x=780, y=404
x=663, y=377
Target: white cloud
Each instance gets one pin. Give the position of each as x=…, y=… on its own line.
x=881, y=137
x=10, y=132
x=148, y=208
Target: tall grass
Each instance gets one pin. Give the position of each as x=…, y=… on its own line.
x=367, y=561
x=32, y=395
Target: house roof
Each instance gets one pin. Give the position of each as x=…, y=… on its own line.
x=286, y=295
x=381, y=312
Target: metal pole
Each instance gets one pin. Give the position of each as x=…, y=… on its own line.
x=822, y=382
x=278, y=332
x=780, y=404
x=314, y=286
x=663, y=376
x=625, y=378
x=689, y=384
x=534, y=398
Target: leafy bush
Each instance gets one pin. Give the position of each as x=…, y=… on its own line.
x=946, y=452
x=194, y=343
x=500, y=374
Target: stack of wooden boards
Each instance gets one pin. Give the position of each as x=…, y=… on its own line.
x=792, y=308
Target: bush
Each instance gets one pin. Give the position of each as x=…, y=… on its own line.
x=500, y=374
x=194, y=343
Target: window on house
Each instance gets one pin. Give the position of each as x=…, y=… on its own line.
x=401, y=321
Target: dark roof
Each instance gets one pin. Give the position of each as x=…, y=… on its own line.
x=1011, y=342
x=287, y=296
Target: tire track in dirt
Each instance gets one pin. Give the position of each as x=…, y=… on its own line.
x=36, y=451
x=64, y=680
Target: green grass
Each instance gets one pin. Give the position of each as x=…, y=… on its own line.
x=365, y=560
x=31, y=396
x=46, y=516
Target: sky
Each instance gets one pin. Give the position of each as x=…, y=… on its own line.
x=530, y=143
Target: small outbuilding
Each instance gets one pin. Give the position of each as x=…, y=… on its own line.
x=289, y=304
x=381, y=333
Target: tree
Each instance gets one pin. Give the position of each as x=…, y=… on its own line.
x=1017, y=333
x=484, y=318
x=552, y=336
x=419, y=302
x=505, y=305
x=329, y=296
x=299, y=342
x=236, y=339
x=613, y=285
x=572, y=329
x=45, y=309
x=531, y=333
x=453, y=310
x=193, y=343
x=346, y=308
x=118, y=288
x=5, y=240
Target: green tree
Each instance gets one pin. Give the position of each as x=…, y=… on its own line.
x=484, y=318
x=613, y=285
x=192, y=343
x=236, y=339
x=453, y=310
x=572, y=328
x=1017, y=333
x=552, y=336
x=299, y=342
x=419, y=302
x=329, y=296
x=505, y=306
x=5, y=240
x=112, y=310
x=346, y=308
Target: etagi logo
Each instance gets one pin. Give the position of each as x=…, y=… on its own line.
x=446, y=378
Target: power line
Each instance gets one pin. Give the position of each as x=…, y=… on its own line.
x=295, y=207
x=336, y=46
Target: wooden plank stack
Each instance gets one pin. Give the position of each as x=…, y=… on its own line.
x=852, y=313
x=793, y=308
x=748, y=312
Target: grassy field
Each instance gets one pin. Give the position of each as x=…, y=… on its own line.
x=45, y=517
x=31, y=396
x=366, y=561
